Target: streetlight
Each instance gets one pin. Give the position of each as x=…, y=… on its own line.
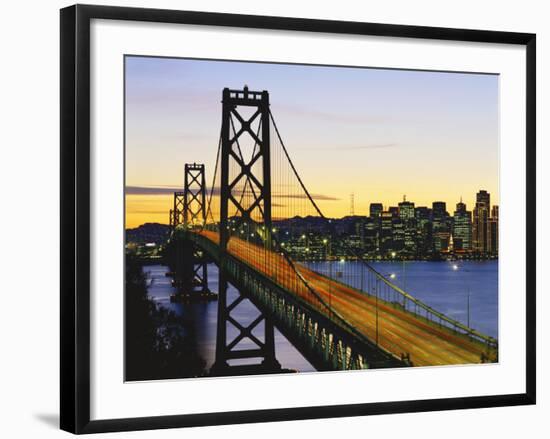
x=455, y=268
x=393, y=255
x=392, y=276
x=327, y=256
x=376, y=307
x=404, y=282
x=468, y=305
x=377, y=284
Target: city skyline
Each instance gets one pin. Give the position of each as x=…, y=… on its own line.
x=164, y=196
x=405, y=231
x=374, y=131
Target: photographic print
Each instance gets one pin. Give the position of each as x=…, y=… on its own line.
x=289, y=218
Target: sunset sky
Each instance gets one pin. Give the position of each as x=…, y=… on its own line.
x=379, y=134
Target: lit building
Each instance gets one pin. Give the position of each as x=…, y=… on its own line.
x=398, y=232
x=375, y=210
x=370, y=233
x=492, y=232
x=440, y=225
x=462, y=228
x=411, y=236
x=483, y=197
x=439, y=211
x=407, y=217
x=422, y=213
x=386, y=232
x=423, y=229
x=406, y=210
x=441, y=239
x=480, y=223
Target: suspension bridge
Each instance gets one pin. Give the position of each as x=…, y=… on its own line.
x=247, y=223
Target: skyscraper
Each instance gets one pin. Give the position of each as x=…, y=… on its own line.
x=492, y=232
x=484, y=197
x=407, y=217
x=371, y=233
x=375, y=210
x=422, y=213
x=386, y=232
x=406, y=210
x=441, y=229
x=460, y=207
x=462, y=228
x=480, y=222
x=398, y=234
x=439, y=211
x=423, y=229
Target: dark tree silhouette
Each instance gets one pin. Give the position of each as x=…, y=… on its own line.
x=157, y=344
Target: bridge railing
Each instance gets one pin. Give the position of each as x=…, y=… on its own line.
x=421, y=309
x=379, y=285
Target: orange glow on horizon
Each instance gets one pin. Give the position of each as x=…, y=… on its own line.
x=141, y=209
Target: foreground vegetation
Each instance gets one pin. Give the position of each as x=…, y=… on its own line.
x=157, y=343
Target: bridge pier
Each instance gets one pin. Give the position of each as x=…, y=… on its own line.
x=263, y=351
x=191, y=272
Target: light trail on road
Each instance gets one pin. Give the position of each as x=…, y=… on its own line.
x=399, y=331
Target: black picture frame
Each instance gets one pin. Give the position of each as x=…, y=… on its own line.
x=75, y=217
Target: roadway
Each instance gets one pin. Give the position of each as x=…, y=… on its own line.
x=399, y=332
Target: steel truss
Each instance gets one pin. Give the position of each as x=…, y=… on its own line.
x=191, y=273
x=255, y=172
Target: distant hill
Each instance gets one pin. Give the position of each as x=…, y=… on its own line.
x=317, y=224
x=148, y=232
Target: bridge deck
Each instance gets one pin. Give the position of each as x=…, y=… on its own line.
x=399, y=331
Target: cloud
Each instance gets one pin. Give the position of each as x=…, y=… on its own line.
x=321, y=197
x=352, y=148
x=318, y=115
x=155, y=190
x=169, y=190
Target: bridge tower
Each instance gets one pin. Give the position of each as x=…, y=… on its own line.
x=194, y=195
x=177, y=211
x=191, y=274
x=256, y=171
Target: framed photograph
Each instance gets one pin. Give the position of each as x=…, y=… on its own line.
x=304, y=218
